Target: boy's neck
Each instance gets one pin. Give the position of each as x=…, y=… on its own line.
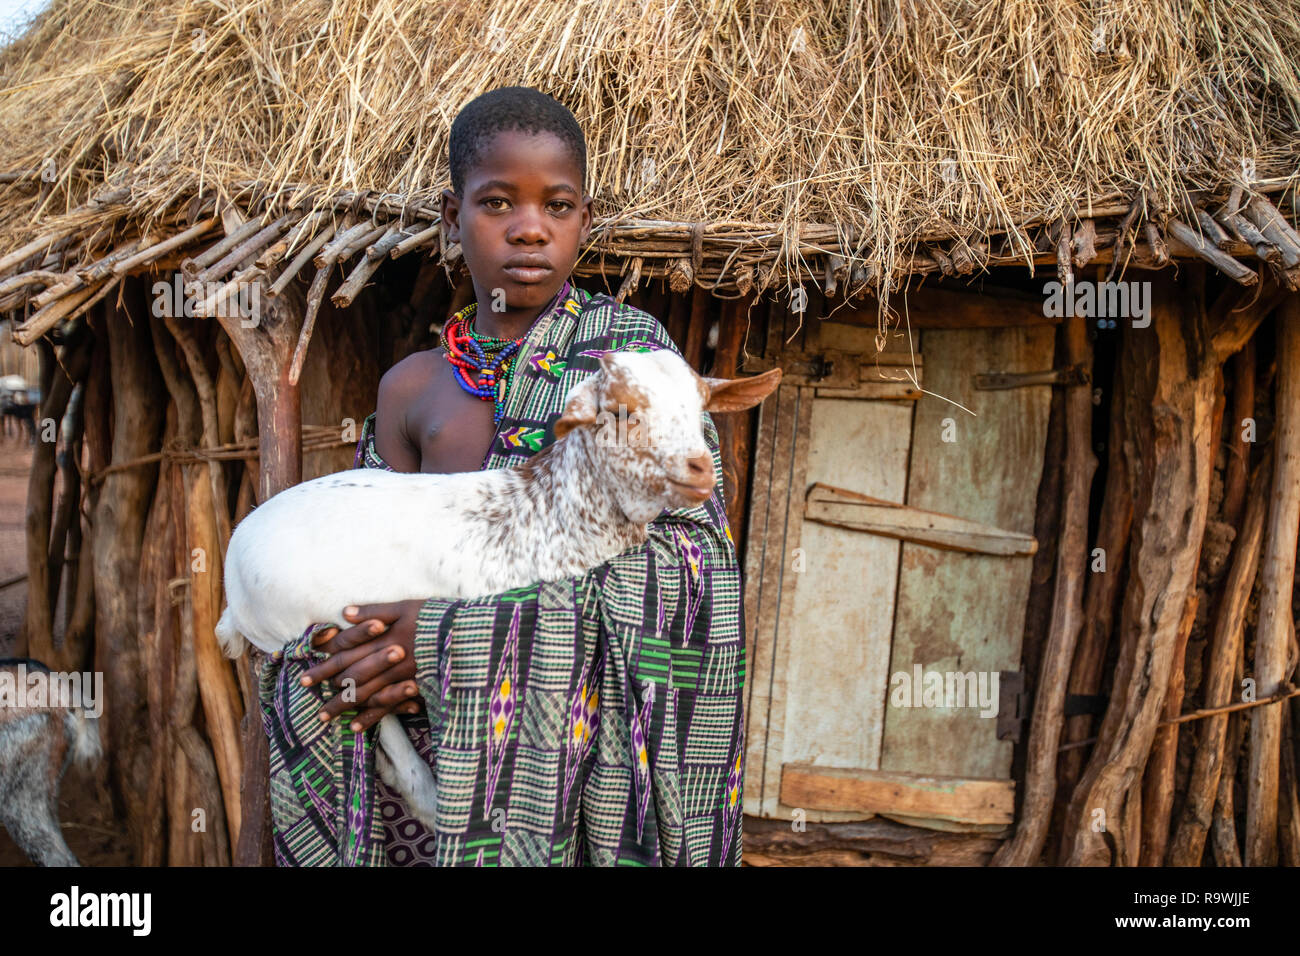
x=512, y=323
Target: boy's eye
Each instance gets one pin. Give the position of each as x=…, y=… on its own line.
x=559, y=205
x=494, y=199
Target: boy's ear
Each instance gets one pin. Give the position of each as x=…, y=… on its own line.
x=579, y=407
x=588, y=214
x=451, y=214
x=738, y=394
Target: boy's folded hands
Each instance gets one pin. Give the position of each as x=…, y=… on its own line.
x=372, y=662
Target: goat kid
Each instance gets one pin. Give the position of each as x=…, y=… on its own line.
x=39, y=740
x=629, y=444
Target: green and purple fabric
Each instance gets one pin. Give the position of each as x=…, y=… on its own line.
x=595, y=720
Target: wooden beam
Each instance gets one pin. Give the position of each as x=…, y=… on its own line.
x=1235, y=316
x=973, y=800
x=849, y=509
x=871, y=843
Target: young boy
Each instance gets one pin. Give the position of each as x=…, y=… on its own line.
x=596, y=720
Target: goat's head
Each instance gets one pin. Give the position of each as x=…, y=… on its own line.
x=644, y=412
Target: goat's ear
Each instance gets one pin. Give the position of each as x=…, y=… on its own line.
x=738, y=394
x=579, y=408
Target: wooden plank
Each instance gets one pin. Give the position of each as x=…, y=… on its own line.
x=875, y=391
x=962, y=612
x=957, y=799
x=838, y=633
x=899, y=348
x=877, y=842
x=838, y=506
x=760, y=527
x=839, y=373
x=771, y=541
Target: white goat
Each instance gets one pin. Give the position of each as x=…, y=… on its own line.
x=629, y=444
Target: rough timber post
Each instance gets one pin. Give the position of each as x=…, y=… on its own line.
x=266, y=345
x=1277, y=577
x=1168, y=411
x=119, y=521
x=1067, y=614
x=734, y=431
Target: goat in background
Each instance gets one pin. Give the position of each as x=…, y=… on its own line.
x=37, y=745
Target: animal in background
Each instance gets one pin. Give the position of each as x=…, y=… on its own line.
x=39, y=741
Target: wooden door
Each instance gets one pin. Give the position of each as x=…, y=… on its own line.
x=888, y=528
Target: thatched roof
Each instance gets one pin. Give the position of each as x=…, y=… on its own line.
x=753, y=143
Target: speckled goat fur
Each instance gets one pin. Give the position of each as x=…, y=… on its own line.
x=372, y=536
x=37, y=745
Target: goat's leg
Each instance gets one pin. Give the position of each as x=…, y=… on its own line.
x=30, y=811
x=405, y=772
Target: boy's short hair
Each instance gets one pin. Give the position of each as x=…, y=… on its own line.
x=519, y=108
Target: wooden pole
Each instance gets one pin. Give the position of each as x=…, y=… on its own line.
x=42, y=582
x=1243, y=408
x=1067, y=614
x=1277, y=576
x=1158, y=777
x=698, y=329
x=203, y=485
x=152, y=609
x=97, y=427
x=1168, y=408
x=734, y=431
x=119, y=522
x=1188, y=843
x=266, y=347
x=1223, y=831
x=1100, y=598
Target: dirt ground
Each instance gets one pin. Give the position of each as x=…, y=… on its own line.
x=85, y=810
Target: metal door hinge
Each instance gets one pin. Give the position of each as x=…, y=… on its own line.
x=1013, y=705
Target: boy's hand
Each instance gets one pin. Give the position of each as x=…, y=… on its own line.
x=378, y=656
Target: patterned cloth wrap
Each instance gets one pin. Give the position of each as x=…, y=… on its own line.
x=595, y=720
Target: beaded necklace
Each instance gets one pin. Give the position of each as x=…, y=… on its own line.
x=484, y=365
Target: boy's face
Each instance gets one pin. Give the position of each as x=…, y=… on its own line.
x=521, y=221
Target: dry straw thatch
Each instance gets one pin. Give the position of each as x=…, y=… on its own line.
x=731, y=142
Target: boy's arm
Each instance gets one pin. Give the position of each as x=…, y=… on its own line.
x=397, y=390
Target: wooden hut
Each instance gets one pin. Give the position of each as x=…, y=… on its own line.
x=1083, y=519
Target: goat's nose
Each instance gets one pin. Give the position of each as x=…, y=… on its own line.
x=700, y=466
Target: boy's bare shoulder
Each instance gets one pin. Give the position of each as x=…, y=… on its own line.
x=409, y=376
